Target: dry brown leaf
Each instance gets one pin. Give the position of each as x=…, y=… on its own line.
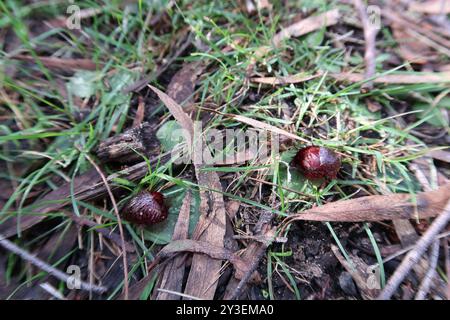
x=140, y=112
x=182, y=84
x=379, y=207
x=419, y=31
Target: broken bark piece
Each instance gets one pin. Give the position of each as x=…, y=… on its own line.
x=129, y=146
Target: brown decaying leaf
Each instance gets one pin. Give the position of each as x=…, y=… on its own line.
x=176, y=110
x=59, y=63
x=171, y=278
x=419, y=31
x=307, y=25
x=378, y=208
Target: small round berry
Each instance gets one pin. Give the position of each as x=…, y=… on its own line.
x=317, y=162
x=146, y=208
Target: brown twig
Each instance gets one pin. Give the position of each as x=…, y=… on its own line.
x=370, y=34
x=424, y=287
x=119, y=222
x=253, y=265
x=447, y=266
x=414, y=255
x=8, y=245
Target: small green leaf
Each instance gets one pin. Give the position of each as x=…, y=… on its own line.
x=169, y=135
x=161, y=233
x=83, y=84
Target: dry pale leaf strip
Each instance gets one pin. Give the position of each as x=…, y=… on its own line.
x=176, y=110
x=441, y=155
x=380, y=207
x=290, y=79
x=436, y=77
x=202, y=279
x=172, y=275
x=265, y=126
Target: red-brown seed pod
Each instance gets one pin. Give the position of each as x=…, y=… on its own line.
x=146, y=208
x=317, y=162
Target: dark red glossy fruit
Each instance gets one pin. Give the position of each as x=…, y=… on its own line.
x=146, y=208
x=317, y=162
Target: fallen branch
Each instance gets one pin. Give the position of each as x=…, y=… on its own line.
x=8, y=245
